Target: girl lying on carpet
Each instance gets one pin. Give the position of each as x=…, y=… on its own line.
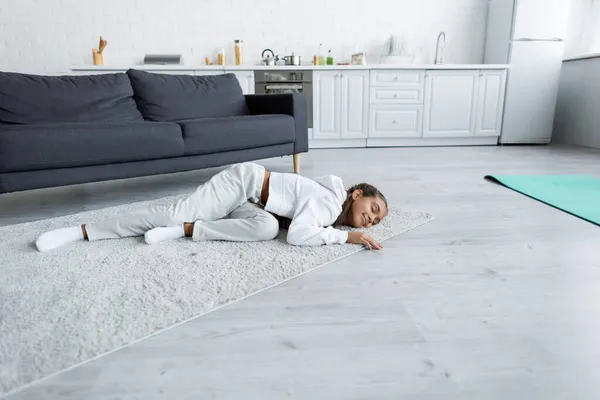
x=246, y=203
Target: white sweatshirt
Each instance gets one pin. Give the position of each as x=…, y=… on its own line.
x=312, y=205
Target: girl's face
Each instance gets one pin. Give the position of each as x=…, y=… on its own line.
x=366, y=211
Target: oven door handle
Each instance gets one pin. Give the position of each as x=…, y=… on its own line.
x=282, y=87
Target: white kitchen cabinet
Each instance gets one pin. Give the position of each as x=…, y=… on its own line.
x=403, y=78
x=327, y=92
x=490, y=103
x=340, y=104
x=246, y=79
x=450, y=103
x=396, y=104
x=392, y=95
x=355, y=104
x=395, y=121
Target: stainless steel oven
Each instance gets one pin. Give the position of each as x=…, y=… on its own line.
x=286, y=81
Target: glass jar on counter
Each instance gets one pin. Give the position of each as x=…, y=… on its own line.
x=239, y=52
x=221, y=57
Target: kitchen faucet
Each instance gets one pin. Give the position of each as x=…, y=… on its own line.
x=437, y=48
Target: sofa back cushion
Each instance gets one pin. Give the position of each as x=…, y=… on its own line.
x=31, y=99
x=164, y=97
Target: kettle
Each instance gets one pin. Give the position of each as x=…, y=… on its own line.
x=270, y=60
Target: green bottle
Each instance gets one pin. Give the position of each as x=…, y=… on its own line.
x=329, y=58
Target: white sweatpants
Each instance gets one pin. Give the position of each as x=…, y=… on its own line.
x=222, y=209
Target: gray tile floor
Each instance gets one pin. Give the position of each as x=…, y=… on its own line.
x=498, y=298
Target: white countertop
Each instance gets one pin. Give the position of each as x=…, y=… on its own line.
x=250, y=67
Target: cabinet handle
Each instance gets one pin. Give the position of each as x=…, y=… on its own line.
x=395, y=96
x=249, y=76
x=395, y=121
x=396, y=78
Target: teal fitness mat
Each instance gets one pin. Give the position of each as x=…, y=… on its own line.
x=578, y=195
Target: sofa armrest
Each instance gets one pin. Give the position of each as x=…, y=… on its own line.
x=287, y=104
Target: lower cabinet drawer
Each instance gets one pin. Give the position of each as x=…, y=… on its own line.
x=396, y=121
x=396, y=95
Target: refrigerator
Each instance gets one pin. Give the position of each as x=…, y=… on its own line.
x=529, y=36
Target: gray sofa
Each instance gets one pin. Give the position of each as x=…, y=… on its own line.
x=64, y=130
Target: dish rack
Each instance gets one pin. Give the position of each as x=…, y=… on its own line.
x=395, y=52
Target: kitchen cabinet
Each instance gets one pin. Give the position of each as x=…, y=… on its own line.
x=490, y=104
x=396, y=104
x=340, y=104
x=450, y=103
x=355, y=103
x=246, y=79
x=327, y=89
x=396, y=121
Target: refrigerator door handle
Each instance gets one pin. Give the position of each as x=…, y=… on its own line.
x=538, y=40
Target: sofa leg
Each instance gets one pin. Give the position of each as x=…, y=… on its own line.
x=296, y=163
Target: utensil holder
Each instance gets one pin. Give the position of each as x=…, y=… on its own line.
x=98, y=57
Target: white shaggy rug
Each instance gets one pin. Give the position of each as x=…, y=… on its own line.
x=63, y=307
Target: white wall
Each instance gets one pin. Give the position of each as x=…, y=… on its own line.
x=52, y=35
x=584, y=28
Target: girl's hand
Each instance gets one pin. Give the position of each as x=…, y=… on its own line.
x=364, y=239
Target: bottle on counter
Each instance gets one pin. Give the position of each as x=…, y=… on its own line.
x=320, y=55
x=239, y=54
x=221, y=57
x=329, y=58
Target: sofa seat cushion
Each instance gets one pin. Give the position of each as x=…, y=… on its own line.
x=212, y=135
x=48, y=146
x=165, y=97
x=33, y=99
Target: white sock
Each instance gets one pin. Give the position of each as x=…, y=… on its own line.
x=59, y=237
x=164, y=233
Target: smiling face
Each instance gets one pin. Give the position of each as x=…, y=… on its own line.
x=366, y=211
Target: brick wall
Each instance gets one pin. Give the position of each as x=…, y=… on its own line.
x=52, y=35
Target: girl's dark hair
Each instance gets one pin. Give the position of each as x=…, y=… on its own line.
x=368, y=191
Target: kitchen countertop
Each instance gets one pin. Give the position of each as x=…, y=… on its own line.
x=286, y=67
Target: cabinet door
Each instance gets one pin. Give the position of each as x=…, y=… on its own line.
x=355, y=103
x=326, y=104
x=490, y=103
x=450, y=103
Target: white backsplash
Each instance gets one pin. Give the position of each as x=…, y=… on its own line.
x=50, y=36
